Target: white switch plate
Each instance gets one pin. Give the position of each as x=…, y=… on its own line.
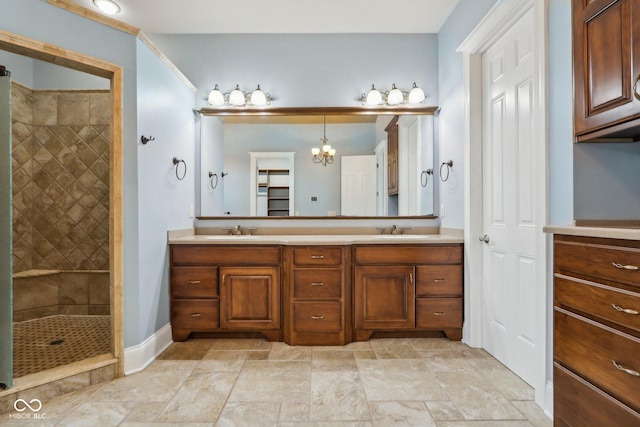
x=191, y=211
x=441, y=211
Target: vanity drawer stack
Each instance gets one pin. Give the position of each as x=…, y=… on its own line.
x=317, y=298
x=596, y=331
x=412, y=287
x=225, y=289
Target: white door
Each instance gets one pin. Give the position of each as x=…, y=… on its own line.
x=381, y=178
x=509, y=254
x=358, y=193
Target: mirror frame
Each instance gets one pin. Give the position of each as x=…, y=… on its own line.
x=316, y=111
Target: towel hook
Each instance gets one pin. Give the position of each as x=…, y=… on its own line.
x=449, y=165
x=424, y=177
x=177, y=162
x=211, y=176
x=145, y=139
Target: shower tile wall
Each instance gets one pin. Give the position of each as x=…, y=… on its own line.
x=60, y=179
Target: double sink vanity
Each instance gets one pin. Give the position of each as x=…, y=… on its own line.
x=320, y=289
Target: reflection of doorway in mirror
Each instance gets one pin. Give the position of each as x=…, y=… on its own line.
x=358, y=182
x=272, y=183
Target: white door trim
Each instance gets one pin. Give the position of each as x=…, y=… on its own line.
x=497, y=21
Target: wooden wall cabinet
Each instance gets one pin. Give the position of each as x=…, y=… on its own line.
x=222, y=289
x=596, y=331
x=412, y=287
x=317, y=295
x=392, y=156
x=606, y=66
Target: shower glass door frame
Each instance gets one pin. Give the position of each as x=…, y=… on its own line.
x=6, y=237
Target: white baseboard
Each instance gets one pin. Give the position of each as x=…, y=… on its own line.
x=139, y=356
x=548, y=400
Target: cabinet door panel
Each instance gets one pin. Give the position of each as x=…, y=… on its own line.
x=250, y=298
x=604, y=65
x=385, y=297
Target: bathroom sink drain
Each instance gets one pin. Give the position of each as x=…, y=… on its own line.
x=56, y=342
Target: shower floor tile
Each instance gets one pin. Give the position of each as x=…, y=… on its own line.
x=52, y=341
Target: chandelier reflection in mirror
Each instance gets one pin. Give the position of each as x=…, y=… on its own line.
x=326, y=154
x=239, y=98
x=394, y=96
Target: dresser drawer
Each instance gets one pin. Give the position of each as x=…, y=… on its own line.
x=195, y=314
x=578, y=403
x=616, y=263
x=317, y=256
x=194, y=282
x=224, y=255
x=438, y=280
x=317, y=316
x=593, y=350
x=397, y=254
x=615, y=305
x=317, y=283
x=438, y=313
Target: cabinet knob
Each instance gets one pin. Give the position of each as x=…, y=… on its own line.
x=317, y=317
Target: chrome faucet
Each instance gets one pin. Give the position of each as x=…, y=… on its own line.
x=237, y=230
x=395, y=229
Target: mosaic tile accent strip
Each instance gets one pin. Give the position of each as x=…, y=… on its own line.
x=48, y=342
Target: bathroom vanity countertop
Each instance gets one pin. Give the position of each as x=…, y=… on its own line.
x=607, y=232
x=314, y=239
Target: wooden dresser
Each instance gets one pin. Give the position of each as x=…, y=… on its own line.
x=596, y=331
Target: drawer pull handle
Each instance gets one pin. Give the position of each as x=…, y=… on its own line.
x=625, y=267
x=439, y=280
x=317, y=283
x=411, y=278
x=317, y=256
x=319, y=317
x=196, y=315
x=194, y=282
x=624, y=310
x=625, y=370
x=439, y=313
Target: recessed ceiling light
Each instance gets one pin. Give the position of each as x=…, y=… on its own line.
x=107, y=6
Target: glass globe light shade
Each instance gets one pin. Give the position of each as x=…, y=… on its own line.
x=416, y=96
x=315, y=151
x=236, y=97
x=332, y=152
x=326, y=148
x=258, y=97
x=107, y=6
x=216, y=97
x=374, y=97
x=395, y=96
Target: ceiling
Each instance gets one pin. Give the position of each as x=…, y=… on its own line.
x=283, y=16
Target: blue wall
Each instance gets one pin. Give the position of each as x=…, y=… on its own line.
x=462, y=21
x=305, y=70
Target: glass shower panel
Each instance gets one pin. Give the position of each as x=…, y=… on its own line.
x=6, y=280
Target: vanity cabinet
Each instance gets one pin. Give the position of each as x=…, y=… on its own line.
x=408, y=287
x=222, y=289
x=317, y=296
x=606, y=66
x=596, y=331
x=392, y=156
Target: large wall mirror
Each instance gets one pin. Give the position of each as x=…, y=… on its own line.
x=260, y=163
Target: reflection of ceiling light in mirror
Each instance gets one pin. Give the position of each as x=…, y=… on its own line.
x=393, y=97
x=107, y=6
x=327, y=154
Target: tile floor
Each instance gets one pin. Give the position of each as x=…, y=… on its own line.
x=382, y=382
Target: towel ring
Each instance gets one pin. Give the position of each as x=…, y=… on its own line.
x=211, y=176
x=177, y=162
x=424, y=177
x=449, y=165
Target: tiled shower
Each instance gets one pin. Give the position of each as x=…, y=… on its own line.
x=60, y=184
